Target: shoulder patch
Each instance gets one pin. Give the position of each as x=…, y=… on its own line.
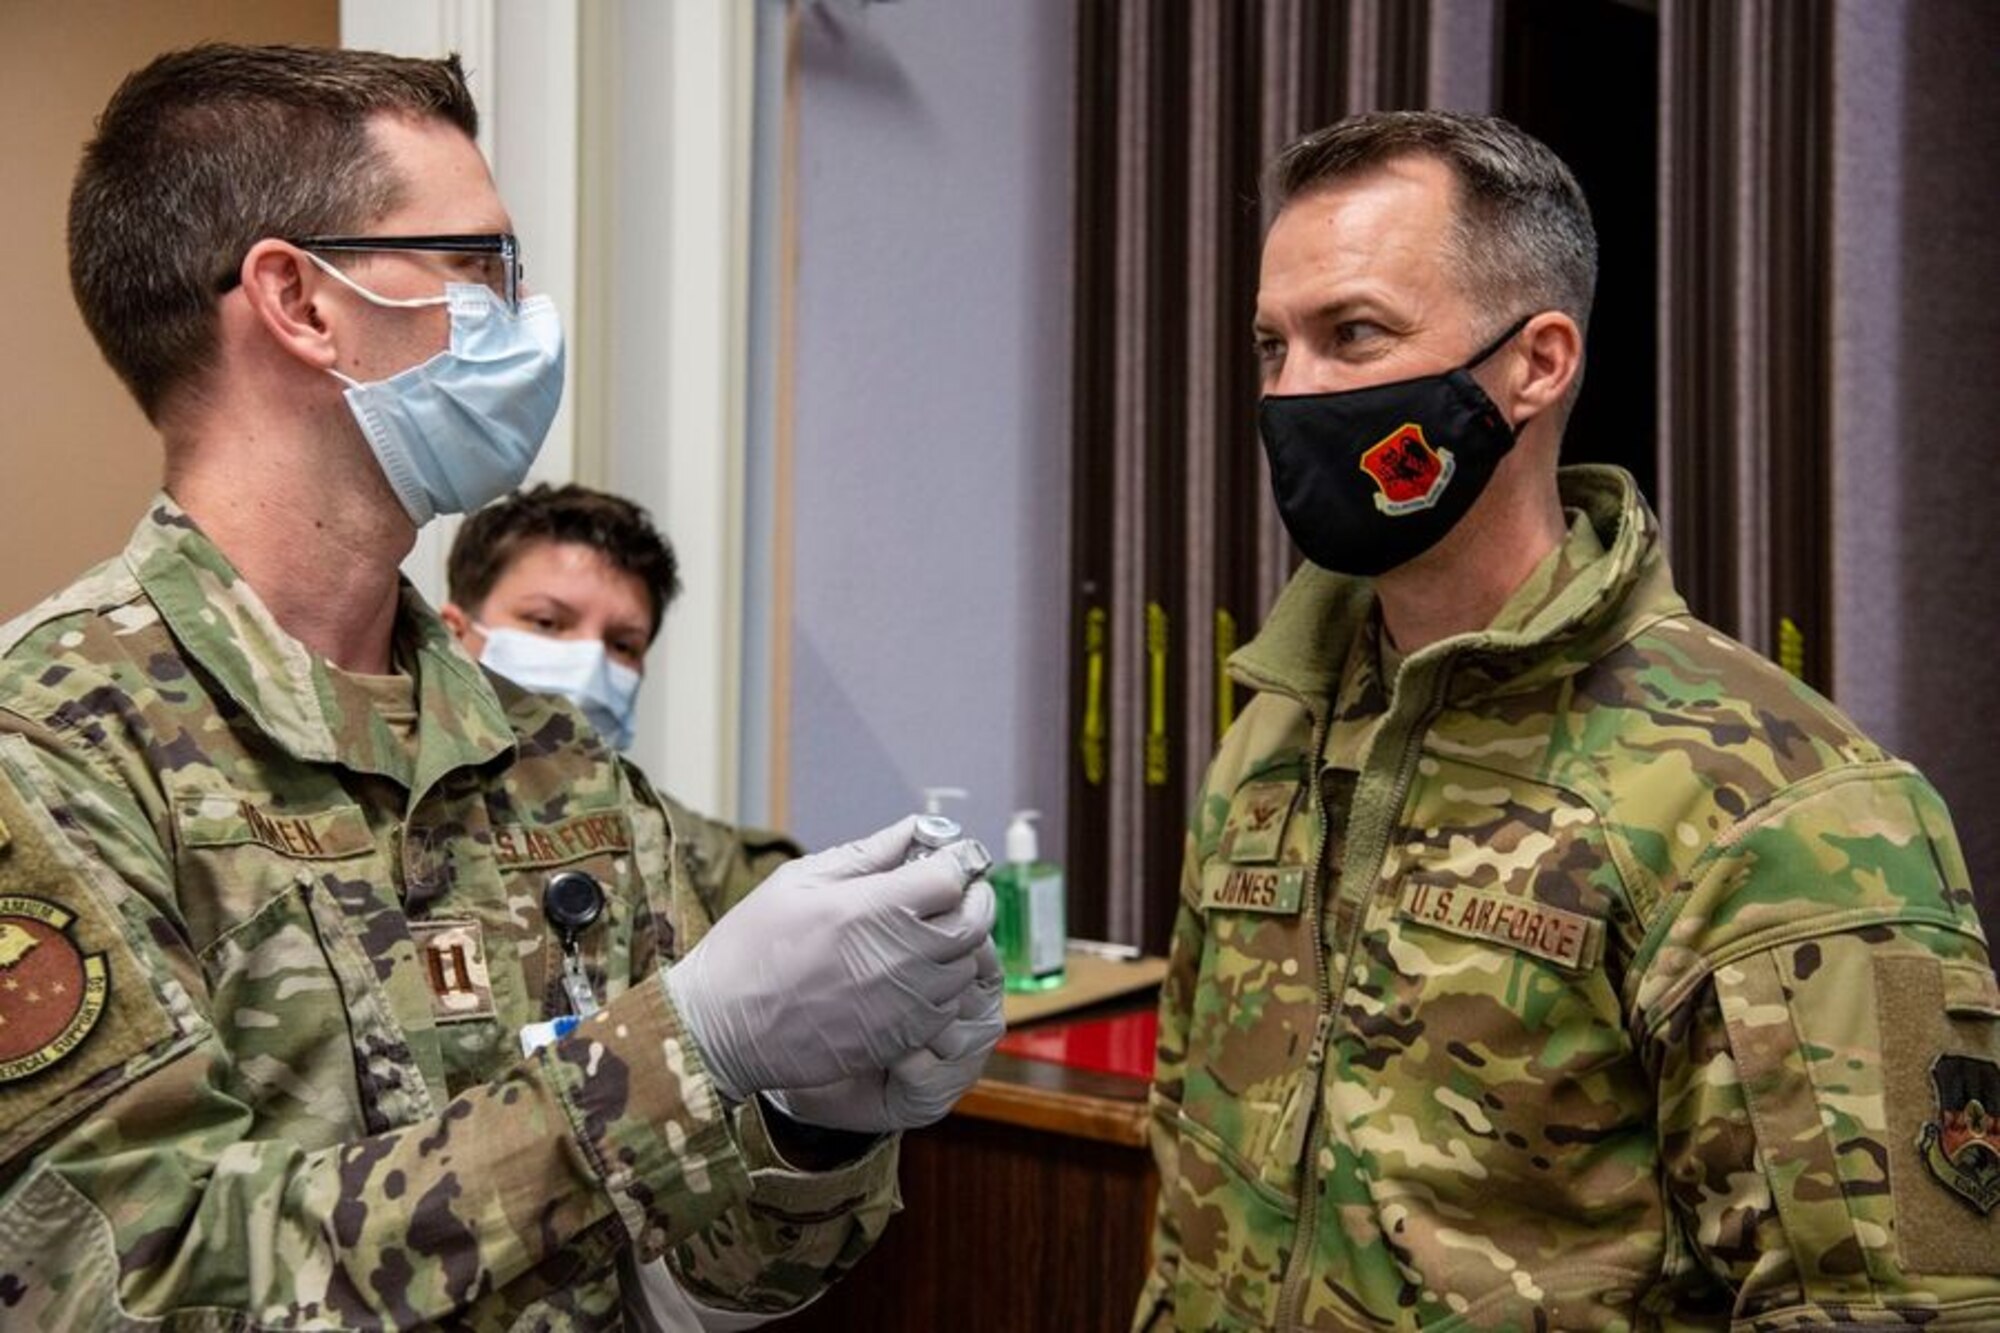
x=1942, y=1076
x=1961, y=1140
x=52, y=994
x=76, y=1005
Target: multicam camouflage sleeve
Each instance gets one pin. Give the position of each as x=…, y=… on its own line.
x=798, y=1231
x=131, y=1183
x=267, y=966
x=1826, y=1028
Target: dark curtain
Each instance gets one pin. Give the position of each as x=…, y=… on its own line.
x=1176, y=548
x=1745, y=298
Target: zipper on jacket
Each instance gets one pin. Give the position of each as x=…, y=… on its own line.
x=1410, y=753
x=1292, y=1294
x=1296, y=1266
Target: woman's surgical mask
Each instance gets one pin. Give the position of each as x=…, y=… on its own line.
x=580, y=670
x=463, y=428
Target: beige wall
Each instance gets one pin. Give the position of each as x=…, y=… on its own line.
x=77, y=460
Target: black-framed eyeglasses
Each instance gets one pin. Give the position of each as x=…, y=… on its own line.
x=502, y=249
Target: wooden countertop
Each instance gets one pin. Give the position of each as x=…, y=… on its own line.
x=1079, y=1103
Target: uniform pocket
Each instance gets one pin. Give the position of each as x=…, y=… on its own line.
x=1486, y=1079
x=1235, y=1234
x=82, y=1010
x=293, y=911
x=315, y=1041
x=1249, y=1087
x=598, y=844
x=238, y=851
x=1256, y=1004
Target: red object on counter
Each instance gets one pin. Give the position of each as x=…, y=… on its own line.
x=1123, y=1044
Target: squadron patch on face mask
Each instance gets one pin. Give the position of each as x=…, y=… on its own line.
x=1409, y=475
x=1961, y=1142
x=52, y=993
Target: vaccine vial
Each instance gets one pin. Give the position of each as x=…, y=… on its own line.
x=933, y=832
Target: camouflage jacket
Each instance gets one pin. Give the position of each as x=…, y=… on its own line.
x=1587, y=974
x=263, y=967
x=722, y=862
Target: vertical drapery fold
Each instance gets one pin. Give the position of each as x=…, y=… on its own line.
x=1176, y=544
x=1745, y=287
x=1092, y=529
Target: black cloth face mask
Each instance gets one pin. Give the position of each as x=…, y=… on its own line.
x=1371, y=478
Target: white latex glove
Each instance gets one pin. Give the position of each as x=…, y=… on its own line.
x=922, y=1086
x=840, y=963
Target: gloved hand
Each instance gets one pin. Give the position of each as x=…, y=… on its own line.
x=922, y=1086
x=839, y=964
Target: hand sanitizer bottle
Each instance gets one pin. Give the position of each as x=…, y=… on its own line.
x=1033, y=920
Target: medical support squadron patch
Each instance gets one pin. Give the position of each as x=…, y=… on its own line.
x=51, y=992
x=1961, y=1143
x=80, y=1017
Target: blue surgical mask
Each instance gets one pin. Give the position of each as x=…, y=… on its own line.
x=463, y=428
x=580, y=670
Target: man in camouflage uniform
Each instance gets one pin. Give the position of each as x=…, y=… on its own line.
x=334, y=974
x=588, y=571
x=1545, y=960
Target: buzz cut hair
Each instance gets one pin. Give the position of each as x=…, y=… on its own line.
x=206, y=151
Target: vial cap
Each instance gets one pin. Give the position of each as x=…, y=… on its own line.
x=935, y=831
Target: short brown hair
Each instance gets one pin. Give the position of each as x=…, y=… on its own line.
x=1522, y=237
x=207, y=151
x=620, y=531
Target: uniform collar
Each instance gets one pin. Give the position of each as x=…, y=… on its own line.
x=287, y=690
x=1599, y=587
